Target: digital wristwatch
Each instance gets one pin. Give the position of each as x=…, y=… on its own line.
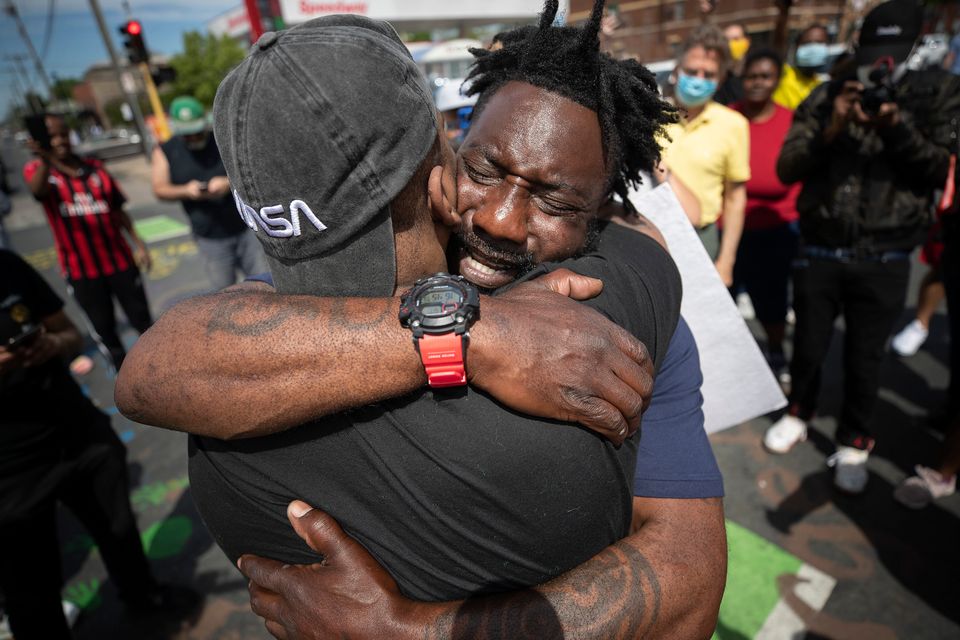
x=439, y=309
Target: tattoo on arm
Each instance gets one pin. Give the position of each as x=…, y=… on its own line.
x=615, y=595
x=237, y=315
x=246, y=314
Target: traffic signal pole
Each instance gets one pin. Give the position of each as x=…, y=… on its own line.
x=163, y=129
x=146, y=142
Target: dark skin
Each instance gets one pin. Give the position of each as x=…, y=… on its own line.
x=595, y=373
x=664, y=580
x=760, y=80
x=60, y=156
x=652, y=584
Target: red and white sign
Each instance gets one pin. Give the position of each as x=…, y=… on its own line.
x=234, y=23
x=423, y=11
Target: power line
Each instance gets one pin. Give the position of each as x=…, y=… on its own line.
x=11, y=10
x=51, y=9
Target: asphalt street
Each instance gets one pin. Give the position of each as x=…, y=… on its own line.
x=805, y=560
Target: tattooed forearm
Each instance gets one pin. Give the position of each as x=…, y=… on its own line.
x=615, y=595
x=359, y=314
x=238, y=315
x=246, y=314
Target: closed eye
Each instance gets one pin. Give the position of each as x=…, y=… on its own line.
x=484, y=175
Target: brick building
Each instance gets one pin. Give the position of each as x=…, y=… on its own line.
x=652, y=30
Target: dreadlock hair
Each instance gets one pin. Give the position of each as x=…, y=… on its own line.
x=567, y=61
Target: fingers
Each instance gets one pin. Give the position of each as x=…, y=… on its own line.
x=263, y=602
x=262, y=571
x=268, y=605
x=599, y=416
x=318, y=529
x=573, y=285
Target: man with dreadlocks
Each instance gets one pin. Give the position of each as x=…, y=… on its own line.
x=535, y=168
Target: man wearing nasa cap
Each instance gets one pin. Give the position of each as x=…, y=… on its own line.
x=871, y=148
x=188, y=169
x=340, y=180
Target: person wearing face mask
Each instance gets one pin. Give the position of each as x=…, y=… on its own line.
x=188, y=168
x=706, y=157
x=731, y=89
x=805, y=74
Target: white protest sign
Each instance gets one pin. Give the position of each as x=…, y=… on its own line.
x=737, y=383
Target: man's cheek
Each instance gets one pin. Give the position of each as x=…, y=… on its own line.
x=557, y=239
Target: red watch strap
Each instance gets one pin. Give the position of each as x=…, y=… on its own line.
x=442, y=358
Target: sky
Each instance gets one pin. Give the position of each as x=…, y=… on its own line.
x=75, y=42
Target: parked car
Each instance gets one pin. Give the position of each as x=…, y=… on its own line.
x=115, y=143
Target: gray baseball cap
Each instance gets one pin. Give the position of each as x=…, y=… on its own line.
x=320, y=127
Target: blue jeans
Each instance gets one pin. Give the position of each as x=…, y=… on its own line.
x=223, y=256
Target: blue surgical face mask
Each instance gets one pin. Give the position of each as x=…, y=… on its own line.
x=812, y=55
x=693, y=91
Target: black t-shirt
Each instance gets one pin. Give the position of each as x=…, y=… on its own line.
x=38, y=406
x=453, y=493
x=208, y=218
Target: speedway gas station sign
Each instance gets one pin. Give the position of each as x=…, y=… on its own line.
x=423, y=11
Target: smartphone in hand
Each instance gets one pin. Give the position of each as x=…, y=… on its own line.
x=36, y=126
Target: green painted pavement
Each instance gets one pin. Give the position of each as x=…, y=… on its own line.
x=167, y=538
x=751, y=592
x=158, y=228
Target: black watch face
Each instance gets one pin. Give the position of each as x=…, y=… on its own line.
x=439, y=302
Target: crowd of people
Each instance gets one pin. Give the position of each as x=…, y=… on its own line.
x=809, y=188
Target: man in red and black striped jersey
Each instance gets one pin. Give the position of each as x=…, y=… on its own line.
x=84, y=206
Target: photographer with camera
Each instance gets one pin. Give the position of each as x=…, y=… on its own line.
x=56, y=446
x=188, y=169
x=871, y=148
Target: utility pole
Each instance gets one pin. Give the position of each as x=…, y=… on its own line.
x=11, y=10
x=146, y=142
x=18, y=93
x=30, y=98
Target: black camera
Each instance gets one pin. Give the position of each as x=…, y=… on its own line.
x=879, y=89
x=17, y=328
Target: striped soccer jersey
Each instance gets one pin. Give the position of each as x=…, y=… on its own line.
x=82, y=213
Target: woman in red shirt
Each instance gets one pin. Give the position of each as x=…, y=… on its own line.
x=770, y=233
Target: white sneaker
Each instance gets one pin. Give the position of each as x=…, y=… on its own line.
x=745, y=306
x=784, y=434
x=849, y=469
x=70, y=611
x=920, y=490
x=910, y=339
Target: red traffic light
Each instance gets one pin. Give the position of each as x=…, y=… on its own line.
x=134, y=28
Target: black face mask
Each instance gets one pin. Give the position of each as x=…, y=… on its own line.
x=199, y=143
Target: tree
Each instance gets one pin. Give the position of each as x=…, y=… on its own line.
x=62, y=88
x=202, y=65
